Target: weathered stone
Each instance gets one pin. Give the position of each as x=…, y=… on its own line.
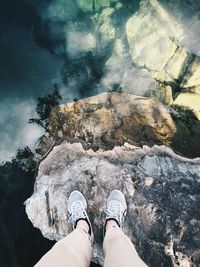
x=154, y=44
x=148, y=32
x=104, y=28
x=168, y=100
x=161, y=189
x=113, y=118
x=178, y=64
x=191, y=101
x=154, y=41
x=192, y=77
x=163, y=93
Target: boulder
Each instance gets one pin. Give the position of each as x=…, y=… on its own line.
x=107, y=119
x=191, y=80
x=154, y=39
x=151, y=35
x=190, y=101
x=161, y=189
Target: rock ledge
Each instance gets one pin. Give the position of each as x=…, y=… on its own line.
x=161, y=188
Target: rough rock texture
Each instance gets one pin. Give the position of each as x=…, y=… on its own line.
x=161, y=188
x=154, y=39
x=107, y=119
x=189, y=100
x=151, y=32
x=112, y=118
x=139, y=47
x=192, y=77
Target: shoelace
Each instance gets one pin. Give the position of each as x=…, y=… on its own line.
x=114, y=210
x=77, y=212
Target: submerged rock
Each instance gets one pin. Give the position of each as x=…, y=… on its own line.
x=161, y=188
x=189, y=100
x=154, y=38
x=130, y=46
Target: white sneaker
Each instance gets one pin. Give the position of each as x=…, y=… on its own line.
x=116, y=207
x=77, y=207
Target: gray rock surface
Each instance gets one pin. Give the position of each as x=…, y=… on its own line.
x=162, y=190
x=155, y=39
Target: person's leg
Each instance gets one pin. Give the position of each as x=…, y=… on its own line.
x=118, y=249
x=75, y=249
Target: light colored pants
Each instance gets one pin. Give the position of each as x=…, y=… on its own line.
x=75, y=251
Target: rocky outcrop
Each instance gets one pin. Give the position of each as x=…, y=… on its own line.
x=161, y=189
x=110, y=119
x=113, y=118
x=152, y=36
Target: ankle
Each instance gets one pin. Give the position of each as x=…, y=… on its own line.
x=83, y=225
x=111, y=223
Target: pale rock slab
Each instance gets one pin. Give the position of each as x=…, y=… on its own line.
x=161, y=188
